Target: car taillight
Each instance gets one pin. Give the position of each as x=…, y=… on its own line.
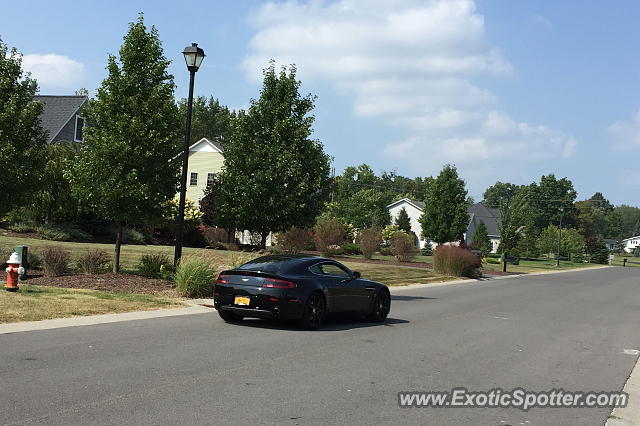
x=222, y=279
x=275, y=283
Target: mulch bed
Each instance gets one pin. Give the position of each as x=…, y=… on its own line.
x=128, y=283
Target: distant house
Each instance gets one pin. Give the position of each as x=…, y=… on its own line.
x=414, y=209
x=206, y=159
x=610, y=244
x=61, y=117
x=491, y=218
x=477, y=212
x=630, y=244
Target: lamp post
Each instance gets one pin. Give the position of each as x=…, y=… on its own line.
x=559, y=236
x=193, y=56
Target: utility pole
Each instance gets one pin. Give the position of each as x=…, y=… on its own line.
x=559, y=236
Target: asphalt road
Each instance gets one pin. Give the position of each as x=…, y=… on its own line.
x=539, y=332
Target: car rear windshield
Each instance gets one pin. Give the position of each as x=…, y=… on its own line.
x=270, y=265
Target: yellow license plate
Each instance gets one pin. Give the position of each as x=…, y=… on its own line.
x=242, y=300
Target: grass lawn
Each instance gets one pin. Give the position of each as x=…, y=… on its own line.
x=528, y=266
x=396, y=275
x=34, y=303
x=631, y=260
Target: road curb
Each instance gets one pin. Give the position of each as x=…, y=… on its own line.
x=18, y=327
x=629, y=415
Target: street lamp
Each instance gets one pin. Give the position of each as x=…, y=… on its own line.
x=559, y=236
x=193, y=56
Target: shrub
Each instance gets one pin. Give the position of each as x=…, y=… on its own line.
x=329, y=233
x=386, y=251
x=153, y=265
x=195, y=278
x=35, y=261
x=55, y=261
x=369, y=241
x=403, y=246
x=54, y=233
x=132, y=236
x=294, y=240
x=492, y=260
x=636, y=252
x=456, y=261
x=21, y=227
x=231, y=246
x=426, y=250
x=350, y=248
x=93, y=261
x=214, y=236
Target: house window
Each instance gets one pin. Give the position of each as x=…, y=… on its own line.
x=78, y=131
x=193, y=181
x=210, y=178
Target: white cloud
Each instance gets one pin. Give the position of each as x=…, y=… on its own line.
x=542, y=21
x=625, y=135
x=54, y=71
x=410, y=63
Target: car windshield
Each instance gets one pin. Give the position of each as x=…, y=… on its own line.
x=270, y=264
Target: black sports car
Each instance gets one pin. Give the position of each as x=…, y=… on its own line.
x=301, y=287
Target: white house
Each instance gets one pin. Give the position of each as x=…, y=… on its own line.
x=414, y=210
x=477, y=213
x=630, y=244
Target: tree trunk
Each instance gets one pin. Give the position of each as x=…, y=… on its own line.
x=263, y=241
x=116, y=254
x=230, y=232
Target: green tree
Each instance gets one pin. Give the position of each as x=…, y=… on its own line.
x=210, y=119
x=366, y=208
x=480, y=239
x=21, y=136
x=445, y=216
x=125, y=170
x=403, y=221
x=54, y=201
x=624, y=222
x=571, y=242
x=494, y=194
x=275, y=176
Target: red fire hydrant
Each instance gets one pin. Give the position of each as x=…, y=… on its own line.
x=14, y=270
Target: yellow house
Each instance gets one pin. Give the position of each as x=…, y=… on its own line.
x=205, y=161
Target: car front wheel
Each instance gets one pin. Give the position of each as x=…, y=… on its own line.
x=381, y=307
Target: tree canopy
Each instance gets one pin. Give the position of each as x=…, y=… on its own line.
x=275, y=176
x=445, y=216
x=210, y=119
x=125, y=171
x=21, y=136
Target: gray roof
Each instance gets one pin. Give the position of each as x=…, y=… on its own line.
x=491, y=217
x=57, y=112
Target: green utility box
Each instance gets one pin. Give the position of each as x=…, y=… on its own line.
x=23, y=255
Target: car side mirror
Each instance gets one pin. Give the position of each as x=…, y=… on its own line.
x=356, y=274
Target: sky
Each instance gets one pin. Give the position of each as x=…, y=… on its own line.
x=505, y=90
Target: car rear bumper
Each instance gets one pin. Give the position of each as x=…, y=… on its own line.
x=248, y=312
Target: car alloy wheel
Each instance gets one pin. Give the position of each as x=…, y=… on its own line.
x=381, y=306
x=314, y=312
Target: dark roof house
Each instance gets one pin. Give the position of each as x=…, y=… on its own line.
x=61, y=118
x=478, y=212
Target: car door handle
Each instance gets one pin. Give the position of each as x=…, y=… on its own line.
x=369, y=288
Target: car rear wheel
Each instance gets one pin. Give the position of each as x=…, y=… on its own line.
x=314, y=312
x=229, y=316
x=381, y=307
